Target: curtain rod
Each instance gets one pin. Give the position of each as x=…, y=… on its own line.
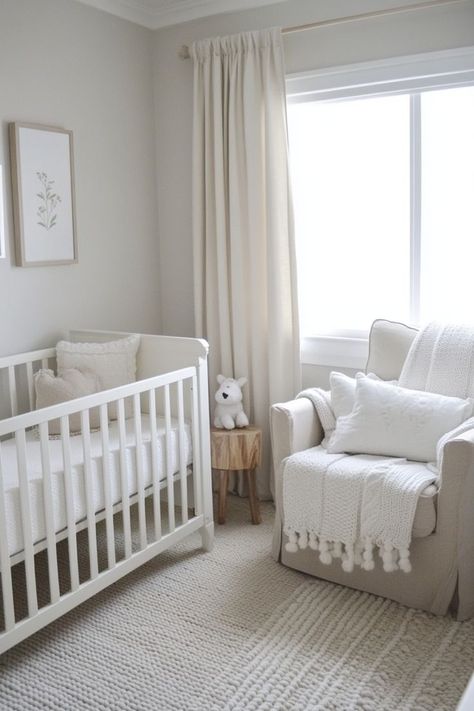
x=184, y=51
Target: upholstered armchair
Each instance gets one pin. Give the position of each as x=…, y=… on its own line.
x=442, y=549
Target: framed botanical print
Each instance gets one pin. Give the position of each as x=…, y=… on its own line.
x=43, y=195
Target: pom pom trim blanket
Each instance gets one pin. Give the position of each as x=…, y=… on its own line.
x=349, y=506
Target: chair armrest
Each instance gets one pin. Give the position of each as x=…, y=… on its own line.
x=456, y=513
x=458, y=454
x=294, y=426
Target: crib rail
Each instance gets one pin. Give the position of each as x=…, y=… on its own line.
x=133, y=474
x=87, y=402
x=20, y=368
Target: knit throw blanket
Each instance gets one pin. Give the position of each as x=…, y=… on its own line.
x=441, y=360
x=345, y=506
x=348, y=506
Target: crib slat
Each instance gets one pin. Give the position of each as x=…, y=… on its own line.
x=127, y=534
x=154, y=464
x=139, y=463
x=90, y=510
x=70, y=517
x=182, y=461
x=29, y=379
x=169, y=469
x=44, y=363
x=48, y=512
x=12, y=389
x=5, y=569
x=109, y=514
x=20, y=441
x=197, y=474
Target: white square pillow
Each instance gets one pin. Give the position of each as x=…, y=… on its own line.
x=51, y=390
x=114, y=362
x=389, y=343
x=396, y=422
x=337, y=401
x=343, y=391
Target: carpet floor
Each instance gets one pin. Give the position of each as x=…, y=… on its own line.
x=232, y=629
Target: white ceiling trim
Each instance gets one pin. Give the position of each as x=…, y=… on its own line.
x=163, y=13
x=132, y=11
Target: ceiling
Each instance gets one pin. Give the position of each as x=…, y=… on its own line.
x=161, y=13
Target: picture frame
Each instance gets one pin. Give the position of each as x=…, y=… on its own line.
x=42, y=167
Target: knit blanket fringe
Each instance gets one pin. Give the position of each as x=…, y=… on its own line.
x=360, y=553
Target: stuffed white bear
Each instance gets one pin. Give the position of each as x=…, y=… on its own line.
x=229, y=412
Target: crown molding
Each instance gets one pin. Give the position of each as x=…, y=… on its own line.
x=166, y=12
x=132, y=10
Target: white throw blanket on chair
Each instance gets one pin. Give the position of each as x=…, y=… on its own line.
x=343, y=505
x=346, y=505
x=441, y=360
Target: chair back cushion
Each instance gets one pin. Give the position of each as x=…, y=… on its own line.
x=389, y=343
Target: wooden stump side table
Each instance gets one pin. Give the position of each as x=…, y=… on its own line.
x=232, y=450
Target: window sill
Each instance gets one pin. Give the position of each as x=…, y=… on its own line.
x=335, y=351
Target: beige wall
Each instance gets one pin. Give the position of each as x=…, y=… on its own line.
x=410, y=33
x=67, y=64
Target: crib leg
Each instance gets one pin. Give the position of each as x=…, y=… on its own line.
x=207, y=536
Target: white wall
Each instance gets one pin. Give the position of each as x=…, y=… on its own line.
x=63, y=63
x=67, y=64
x=409, y=33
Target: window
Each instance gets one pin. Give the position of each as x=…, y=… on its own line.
x=383, y=183
x=447, y=205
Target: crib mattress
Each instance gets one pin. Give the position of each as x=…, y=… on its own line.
x=35, y=474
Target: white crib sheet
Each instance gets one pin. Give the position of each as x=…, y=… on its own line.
x=35, y=475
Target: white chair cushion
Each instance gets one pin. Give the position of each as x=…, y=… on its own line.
x=424, y=522
x=389, y=343
x=396, y=422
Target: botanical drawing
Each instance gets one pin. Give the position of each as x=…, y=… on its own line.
x=48, y=202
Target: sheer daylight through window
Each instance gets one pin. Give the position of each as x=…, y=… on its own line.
x=383, y=191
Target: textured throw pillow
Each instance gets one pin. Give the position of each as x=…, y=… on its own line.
x=72, y=383
x=114, y=362
x=343, y=391
x=396, y=422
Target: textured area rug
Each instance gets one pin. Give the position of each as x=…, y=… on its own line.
x=332, y=648
x=232, y=629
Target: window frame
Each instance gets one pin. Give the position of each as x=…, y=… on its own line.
x=412, y=74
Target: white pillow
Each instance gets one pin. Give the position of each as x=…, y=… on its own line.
x=392, y=421
x=51, y=390
x=114, y=362
x=337, y=401
x=343, y=391
x=389, y=343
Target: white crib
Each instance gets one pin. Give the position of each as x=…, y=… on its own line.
x=151, y=471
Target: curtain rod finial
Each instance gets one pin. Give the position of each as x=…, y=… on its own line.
x=184, y=52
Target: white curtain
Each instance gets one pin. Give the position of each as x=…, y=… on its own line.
x=244, y=257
